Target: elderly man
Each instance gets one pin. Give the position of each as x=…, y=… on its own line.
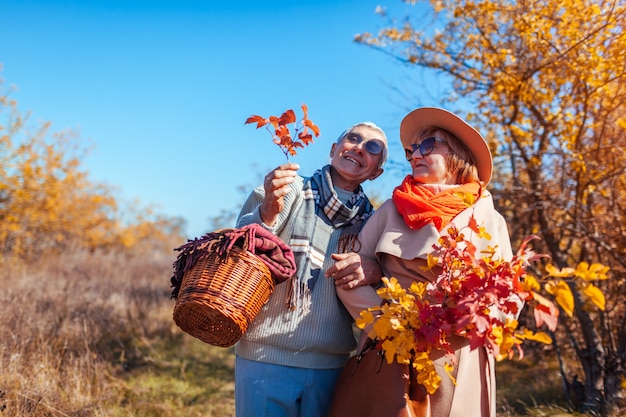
x=292, y=353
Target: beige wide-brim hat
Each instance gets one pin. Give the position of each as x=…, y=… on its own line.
x=426, y=117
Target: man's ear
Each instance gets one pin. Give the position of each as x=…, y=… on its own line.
x=332, y=150
x=376, y=174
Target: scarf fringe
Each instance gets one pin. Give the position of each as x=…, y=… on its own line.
x=298, y=297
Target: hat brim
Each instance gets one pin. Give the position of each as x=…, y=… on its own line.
x=425, y=117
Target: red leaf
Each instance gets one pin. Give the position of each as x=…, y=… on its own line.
x=546, y=314
x=473, y=224
x=511, y=307
x=471, y=248
x=287, y=117
x=316, y=130
x=305, y=137
x=286, y=142
x=282, y=131
x=275, y=121
x=260, y=121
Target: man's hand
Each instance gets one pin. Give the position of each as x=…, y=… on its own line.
x=352, y=270
x=276, y=185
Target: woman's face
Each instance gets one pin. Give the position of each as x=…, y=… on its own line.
x=428, y=160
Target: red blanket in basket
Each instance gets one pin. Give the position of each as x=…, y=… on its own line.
x=270, y=249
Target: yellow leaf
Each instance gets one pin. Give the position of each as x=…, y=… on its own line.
x=559, y=273
x=540, y=337
x=366, y=318
x=449, y=369
x=388, y=347
x=468, y=198
x=431, y=262
x=382, y=328
x=562, y=294
x=482, y=233
x=530, y=283
x=595, y=296
x=418, y=288
x=593, y=272
x=396, y=324
x=392, y=288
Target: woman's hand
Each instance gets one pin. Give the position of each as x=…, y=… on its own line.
x=352, y=270
x=276, y=185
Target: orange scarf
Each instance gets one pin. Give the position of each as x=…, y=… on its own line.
x=419, y=205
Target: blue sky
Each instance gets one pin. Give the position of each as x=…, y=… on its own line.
x=161, y=89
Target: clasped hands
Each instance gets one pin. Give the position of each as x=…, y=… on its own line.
x=353, y=270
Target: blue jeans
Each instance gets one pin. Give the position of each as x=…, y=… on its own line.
x=267, y=390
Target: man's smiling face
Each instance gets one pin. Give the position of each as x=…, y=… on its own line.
x=351, y=160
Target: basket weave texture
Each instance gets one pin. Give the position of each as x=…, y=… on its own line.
x=220, y=296
x=222, y=280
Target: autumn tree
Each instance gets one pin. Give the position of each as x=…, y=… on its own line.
x=49, y=205
x=546, y=82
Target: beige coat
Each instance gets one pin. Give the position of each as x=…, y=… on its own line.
x=400, y=251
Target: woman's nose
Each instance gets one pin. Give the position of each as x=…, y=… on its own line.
x=413, y=155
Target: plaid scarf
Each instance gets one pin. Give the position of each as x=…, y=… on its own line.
x=319, y=215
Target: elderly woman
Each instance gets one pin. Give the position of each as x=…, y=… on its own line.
x=447, y=156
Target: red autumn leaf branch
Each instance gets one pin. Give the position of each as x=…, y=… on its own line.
x=279, y=129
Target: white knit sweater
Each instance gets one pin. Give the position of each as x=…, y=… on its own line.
x=318, y=336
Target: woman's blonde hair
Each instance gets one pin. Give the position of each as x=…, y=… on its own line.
x=459, y=161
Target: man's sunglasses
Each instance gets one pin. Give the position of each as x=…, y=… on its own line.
x=373, y=146
x=425, y=147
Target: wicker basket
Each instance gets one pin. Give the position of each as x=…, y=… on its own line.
x=219, y=298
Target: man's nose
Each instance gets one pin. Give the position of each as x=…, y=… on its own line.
x=361, y=146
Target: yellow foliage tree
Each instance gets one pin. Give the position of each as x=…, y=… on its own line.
x=48, y=204
x=546, y=80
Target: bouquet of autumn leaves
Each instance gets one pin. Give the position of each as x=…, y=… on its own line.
x=474, y=296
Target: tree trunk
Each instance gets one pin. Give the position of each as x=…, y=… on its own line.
x=592, y=358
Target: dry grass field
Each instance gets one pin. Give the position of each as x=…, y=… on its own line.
x=92, y=335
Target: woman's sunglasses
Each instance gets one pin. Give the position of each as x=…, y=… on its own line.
x=425, y=147
x=373, y=146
